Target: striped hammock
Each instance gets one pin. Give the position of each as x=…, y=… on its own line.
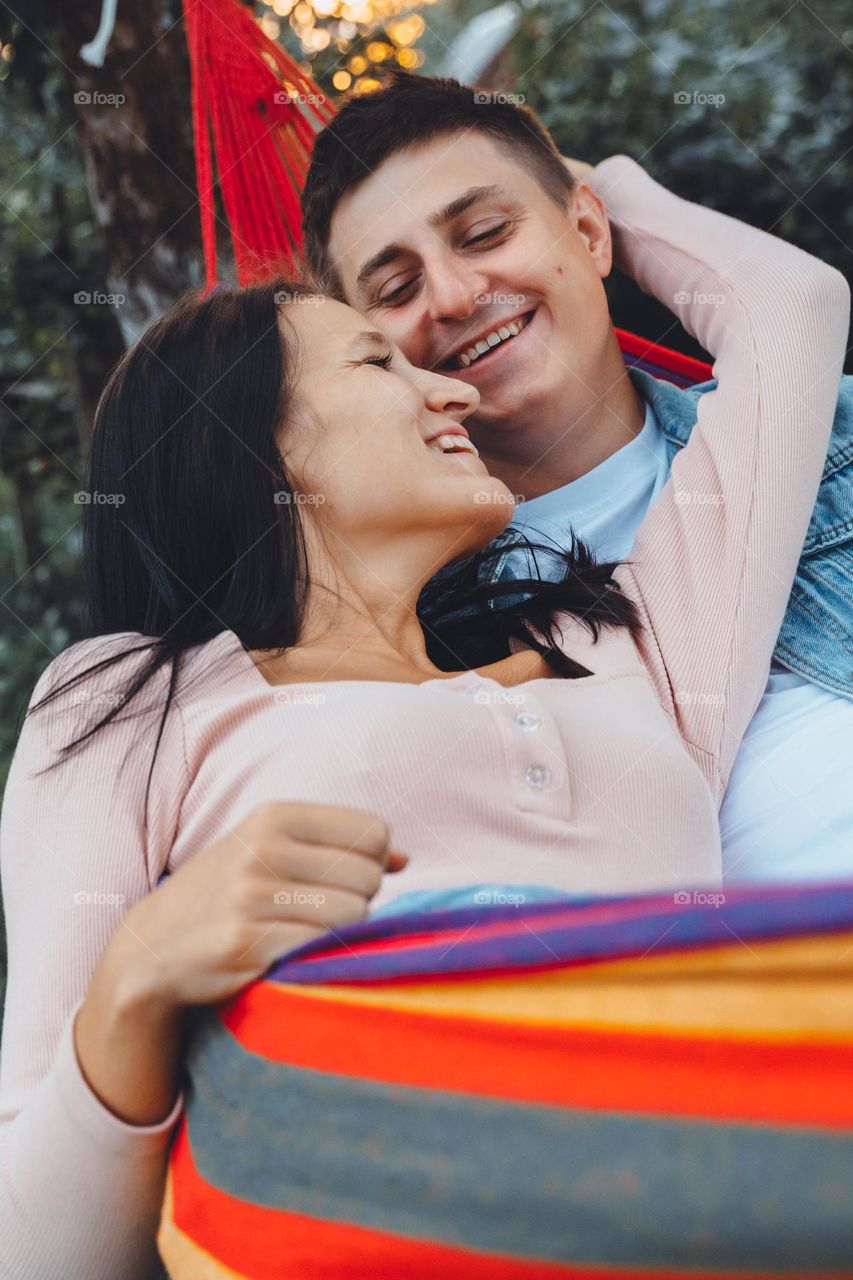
x=603, y=1087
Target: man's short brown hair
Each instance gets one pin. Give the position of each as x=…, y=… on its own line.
x=408, y=110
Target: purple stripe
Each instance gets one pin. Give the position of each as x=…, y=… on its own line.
x=555, y=933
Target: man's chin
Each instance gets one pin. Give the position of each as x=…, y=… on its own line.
x=510, y=412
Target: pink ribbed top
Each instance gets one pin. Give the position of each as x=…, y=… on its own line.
x=608, y=783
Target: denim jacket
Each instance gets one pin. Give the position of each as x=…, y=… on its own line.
x=816, y=638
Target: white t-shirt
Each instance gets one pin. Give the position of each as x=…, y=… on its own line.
x=788, y=810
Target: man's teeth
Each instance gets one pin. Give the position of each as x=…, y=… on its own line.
x=492, y=339
x=451, y=443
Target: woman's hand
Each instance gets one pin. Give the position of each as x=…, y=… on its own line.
x=579, y=169
x=286, y=874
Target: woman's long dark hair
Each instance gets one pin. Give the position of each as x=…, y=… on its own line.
x=183, y=538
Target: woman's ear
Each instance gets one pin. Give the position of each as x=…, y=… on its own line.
x=593, y=227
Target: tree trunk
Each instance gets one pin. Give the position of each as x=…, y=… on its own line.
x=135, y=126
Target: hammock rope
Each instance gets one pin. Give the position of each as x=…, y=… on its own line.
x=255, y=114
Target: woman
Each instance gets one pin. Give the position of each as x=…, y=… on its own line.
x=290, y=485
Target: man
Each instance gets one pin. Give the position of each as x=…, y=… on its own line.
x=448, y=217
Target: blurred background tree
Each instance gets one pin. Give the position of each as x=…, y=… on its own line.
x=748, y=109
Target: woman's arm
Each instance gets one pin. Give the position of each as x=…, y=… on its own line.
x=81, y=1188
x=714, y=561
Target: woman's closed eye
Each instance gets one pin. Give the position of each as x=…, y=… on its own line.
x=381, y=362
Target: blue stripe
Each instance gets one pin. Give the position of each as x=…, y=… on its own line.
x=526, y=1180
x=542, y=934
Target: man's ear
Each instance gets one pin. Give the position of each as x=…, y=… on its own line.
x=593, y=227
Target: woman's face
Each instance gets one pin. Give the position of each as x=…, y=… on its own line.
x=375, y=448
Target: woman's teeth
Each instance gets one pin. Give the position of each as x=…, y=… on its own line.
x=493, y=339
x=452, y=443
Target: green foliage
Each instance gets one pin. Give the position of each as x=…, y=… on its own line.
x=777, y=152
x=53, y=353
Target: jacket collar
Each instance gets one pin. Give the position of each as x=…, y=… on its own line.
x=674, y=407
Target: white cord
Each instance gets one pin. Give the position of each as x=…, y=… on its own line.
x=94, y=52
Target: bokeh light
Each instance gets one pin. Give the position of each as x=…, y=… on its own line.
x=374, y=33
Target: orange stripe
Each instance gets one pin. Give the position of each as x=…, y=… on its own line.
x=272, y=1244
x=793, y=1083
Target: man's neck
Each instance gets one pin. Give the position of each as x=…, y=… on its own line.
x=556, y=448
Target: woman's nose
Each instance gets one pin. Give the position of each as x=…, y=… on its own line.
x=450, y=396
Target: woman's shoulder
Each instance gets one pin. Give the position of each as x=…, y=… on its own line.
x=99, y=660
x=119, y=656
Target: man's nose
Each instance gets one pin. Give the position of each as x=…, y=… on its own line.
x=453, y=289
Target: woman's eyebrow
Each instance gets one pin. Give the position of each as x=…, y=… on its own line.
x=368, y=338
x=439, y=218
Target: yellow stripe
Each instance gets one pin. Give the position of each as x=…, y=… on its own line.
x=797, y=988
x=182, y=1257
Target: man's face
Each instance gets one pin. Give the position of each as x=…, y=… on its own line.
x=455, y=242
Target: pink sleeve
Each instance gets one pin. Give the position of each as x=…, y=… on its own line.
x=80, y=1189
x=714, y=561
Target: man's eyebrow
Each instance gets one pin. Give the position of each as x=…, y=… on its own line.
x=438, y=219
x=368, y=338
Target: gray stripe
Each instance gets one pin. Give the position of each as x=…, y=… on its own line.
x=516, y=1178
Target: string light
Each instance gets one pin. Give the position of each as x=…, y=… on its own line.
x=389, y=28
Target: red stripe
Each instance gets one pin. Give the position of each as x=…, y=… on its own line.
x=273, y=1244
x=789, y=1083
x=674, y=361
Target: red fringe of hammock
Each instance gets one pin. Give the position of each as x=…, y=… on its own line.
x=256, y=114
